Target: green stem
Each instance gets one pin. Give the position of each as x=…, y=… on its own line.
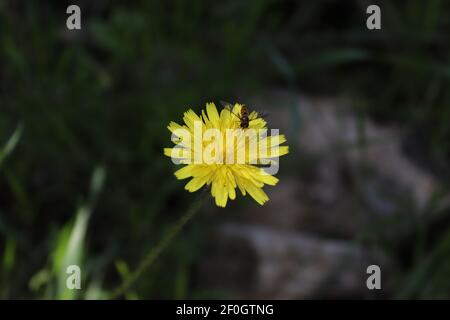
x=154, y=252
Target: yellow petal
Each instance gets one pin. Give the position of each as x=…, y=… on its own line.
x=231, y=191
x=213, y=115
x=196, y=183
x=190, y=117
x=185, y=172
x=276, y=152
x=174, y=126
x=267, y=178
x=257, y=193
x=219, y=192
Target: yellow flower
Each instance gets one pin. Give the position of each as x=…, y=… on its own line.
x=218, y=153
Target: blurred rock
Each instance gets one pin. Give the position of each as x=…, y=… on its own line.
x=262, y=263
x=343, y=174
x=330, y=130
x=304, y=206
x=356, y=172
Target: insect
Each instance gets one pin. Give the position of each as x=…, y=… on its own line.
x=243, y=117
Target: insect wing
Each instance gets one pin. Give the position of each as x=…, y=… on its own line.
x=226, y=104
x=263, y=114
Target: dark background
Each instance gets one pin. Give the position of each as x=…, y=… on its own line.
x=87, y=182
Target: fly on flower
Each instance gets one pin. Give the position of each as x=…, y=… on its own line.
x=244, y=115
x=221, y=151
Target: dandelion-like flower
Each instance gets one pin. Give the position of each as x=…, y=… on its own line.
x=218, y=152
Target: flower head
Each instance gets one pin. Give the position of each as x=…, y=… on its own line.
x=220, y=152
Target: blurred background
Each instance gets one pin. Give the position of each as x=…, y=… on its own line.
x=83, y=118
